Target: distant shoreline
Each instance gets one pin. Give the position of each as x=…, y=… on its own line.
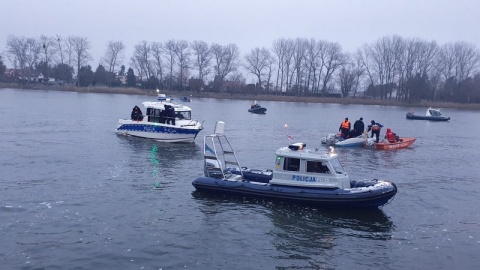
x=236, y=96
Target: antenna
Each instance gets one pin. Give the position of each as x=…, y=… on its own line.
x=288, y=136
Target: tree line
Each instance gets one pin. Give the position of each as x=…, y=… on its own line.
x=392, y=67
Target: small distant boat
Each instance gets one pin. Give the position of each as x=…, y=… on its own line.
x=431, y=115
x=386, y=145
x=300, y=175
x=186, y=99
x=256, y=108
x=164, y=121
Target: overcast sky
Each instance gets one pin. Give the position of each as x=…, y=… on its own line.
x=247, y=23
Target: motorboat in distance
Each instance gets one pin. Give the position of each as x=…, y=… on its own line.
x=431, y=115
x=256, y=108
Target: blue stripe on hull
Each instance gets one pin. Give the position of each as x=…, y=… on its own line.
x=157, y=129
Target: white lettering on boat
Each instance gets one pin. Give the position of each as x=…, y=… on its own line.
x=148, y=129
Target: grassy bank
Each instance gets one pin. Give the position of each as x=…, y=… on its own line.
x=136, y=91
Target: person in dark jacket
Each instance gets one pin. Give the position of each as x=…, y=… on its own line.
x=136, y=114
x=345, y=128
x=170, y=111
x=375, y=128
x=358, y=127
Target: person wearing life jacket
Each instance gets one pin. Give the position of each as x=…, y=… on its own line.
x=375, y=128
x=345, y=128
x=390, y=136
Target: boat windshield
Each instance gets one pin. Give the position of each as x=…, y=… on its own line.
x=184, y=115
x=337, y=166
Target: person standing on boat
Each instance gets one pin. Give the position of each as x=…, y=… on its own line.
x=358, y=127
x=375, y=128
x=170, y=114
x=136, y=114
x=345, y=128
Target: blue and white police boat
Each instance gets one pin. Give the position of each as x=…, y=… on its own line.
x=164, y=121
x=300, y=175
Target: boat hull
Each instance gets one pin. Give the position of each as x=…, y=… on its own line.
x=336, y=140
x=258, y=110
x=158, y=132
x=367, y=196
x=429, y=118
x=403, y=143
x=353, y=142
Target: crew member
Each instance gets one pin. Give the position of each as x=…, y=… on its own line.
x=375, y=128
x=345, y=128
x=358, y=127
x=391, y=136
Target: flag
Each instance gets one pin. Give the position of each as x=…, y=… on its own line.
x=290, y=137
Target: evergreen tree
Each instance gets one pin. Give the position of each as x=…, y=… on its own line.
x=2, y=68
x=131, y=80
x=100, y=76
x=62, y=72
x=122, y=71
x=85, y=76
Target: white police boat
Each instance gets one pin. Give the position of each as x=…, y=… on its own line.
x=300, y=175
x=164, y=121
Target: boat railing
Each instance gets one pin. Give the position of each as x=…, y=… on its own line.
x=218, y=156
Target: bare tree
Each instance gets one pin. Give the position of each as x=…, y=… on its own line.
x=114, y=55
x=258, y=62
x=142, y=59
x=183, y=53
x=226, y=60
x=80, y=47
x=203, y=57
x=313, y=61
x=157, y=53
x=349, y=77
x=280, y=50
x=17, y=51
x=69, y=52
x=49, y=48
x=381, y=62
x=169, y=54
x=332, y=58
x=299, y=62
x=457, y=61
x=59, y=48
x=23, y=52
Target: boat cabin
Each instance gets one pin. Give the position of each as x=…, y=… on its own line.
x=160, y=112
x=297, y=166
x=433, y=112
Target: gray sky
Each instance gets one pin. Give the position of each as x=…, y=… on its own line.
x=247, y=23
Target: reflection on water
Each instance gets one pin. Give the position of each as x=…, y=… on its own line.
x=160, y=159
x=303, y=235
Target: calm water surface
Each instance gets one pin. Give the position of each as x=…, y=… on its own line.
x=74, y=195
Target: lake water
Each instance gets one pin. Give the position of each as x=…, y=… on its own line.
x=74, y=195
